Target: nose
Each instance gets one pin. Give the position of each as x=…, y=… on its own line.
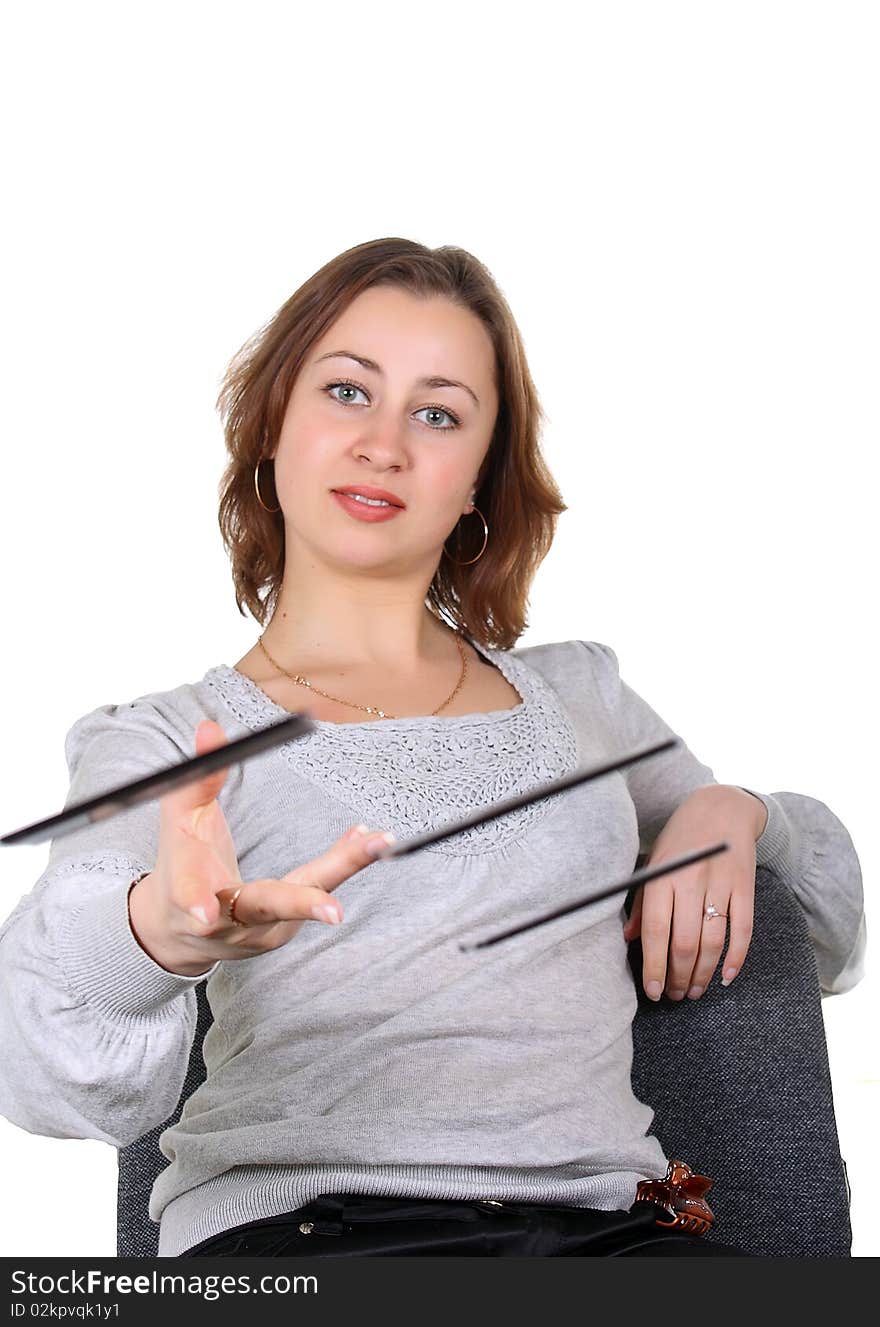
x=384, y=443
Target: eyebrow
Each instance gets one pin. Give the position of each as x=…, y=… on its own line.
x=375, y=368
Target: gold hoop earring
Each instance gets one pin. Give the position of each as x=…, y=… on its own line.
x=485, y=541
x=257, y=487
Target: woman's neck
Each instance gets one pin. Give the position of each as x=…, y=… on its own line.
x=360, y=628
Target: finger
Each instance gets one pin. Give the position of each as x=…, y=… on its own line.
x=684, y=945
x=197, y=877
x=712, y=935
x=656, y=919
x=741, y=919
x=633, y=923
x=194, y=797
x=302, y=894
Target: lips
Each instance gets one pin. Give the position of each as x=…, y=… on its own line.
x=368, y=491
x=369, y=512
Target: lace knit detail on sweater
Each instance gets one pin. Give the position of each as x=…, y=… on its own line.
x=417, y=773
x=103, y=864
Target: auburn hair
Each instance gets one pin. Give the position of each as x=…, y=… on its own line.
x=515, y=490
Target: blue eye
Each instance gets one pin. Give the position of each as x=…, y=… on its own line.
x=356, y=386
x=331, y=386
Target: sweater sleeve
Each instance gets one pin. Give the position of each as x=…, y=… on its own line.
x=95, y=1035
x=803, y=842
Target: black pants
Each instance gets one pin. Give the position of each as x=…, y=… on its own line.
x=341, y=1225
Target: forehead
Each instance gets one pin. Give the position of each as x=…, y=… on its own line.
x=428, y=334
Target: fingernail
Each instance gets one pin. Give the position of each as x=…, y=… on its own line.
x=676, y=995
x=653, y=990
x=356, y=831
x=325, y=912
x=199, y=912
x=728, y=976
x=695, y=992
x=375, y=844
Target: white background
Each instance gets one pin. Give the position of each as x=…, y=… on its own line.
x=680, y=203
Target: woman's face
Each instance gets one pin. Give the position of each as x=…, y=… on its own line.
x=351, y=424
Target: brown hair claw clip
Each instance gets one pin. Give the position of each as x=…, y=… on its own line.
x=681, y=1193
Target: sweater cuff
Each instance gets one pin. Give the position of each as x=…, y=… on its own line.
x=104, y=963
x=780, y=844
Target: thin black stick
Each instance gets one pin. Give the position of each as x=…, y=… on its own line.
x=637, y=878
x=152, y=786
x=446, y=831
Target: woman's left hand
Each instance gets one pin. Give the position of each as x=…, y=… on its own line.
x=681, y=946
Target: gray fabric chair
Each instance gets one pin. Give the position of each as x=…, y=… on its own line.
x=739, y=1082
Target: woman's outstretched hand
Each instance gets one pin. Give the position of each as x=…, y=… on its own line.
x=681, y=945
x=180, y=912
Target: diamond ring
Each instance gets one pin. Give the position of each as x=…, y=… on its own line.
x=712, y=911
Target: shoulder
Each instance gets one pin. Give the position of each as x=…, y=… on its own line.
x=574, y=662
x=161, y=721
x=576, y=651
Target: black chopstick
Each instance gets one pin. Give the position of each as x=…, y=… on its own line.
x=637, y=878
x=404, y=846
x=152, y=785
x=119, y=799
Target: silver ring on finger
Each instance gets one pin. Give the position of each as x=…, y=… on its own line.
x=712, y=911
x=230, y=910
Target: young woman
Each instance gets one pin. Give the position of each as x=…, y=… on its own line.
x=371, y=1087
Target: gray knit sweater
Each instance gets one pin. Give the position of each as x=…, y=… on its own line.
x=376, y=1056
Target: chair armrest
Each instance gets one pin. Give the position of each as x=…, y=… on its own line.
x=740, y=1084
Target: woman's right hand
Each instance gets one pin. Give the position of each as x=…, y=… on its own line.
x=179, y=913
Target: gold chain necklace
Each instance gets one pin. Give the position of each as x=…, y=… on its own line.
x=369, y=709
